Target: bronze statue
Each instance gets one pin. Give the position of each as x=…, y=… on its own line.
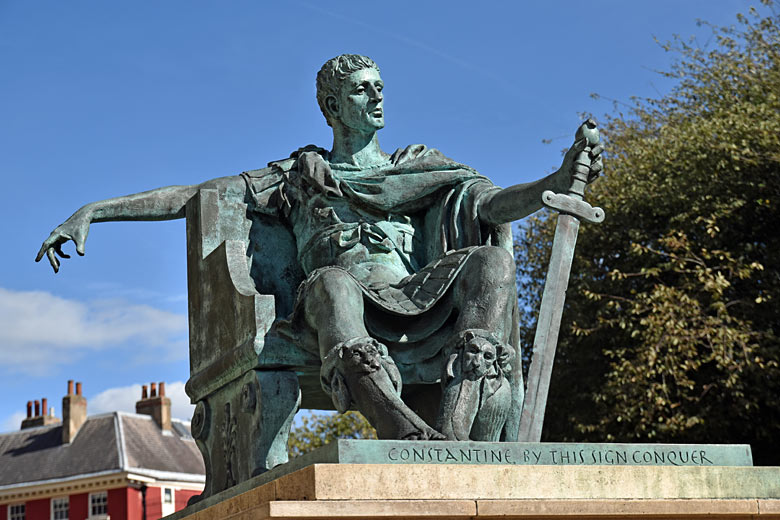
x=407, y=260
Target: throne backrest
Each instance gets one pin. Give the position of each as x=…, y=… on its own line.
x=242, y=275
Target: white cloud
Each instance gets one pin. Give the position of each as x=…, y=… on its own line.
x=12, y=422
x=123, y=398
x=39, y=329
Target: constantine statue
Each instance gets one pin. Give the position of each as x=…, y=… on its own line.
x=407, y=260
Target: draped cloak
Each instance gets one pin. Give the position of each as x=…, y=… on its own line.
x=419, y=210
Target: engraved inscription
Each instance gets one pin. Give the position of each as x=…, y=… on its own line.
x=435, y=453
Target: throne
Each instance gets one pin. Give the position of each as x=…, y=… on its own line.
x=246, y=382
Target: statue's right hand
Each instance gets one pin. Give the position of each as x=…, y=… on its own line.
x=75, y=228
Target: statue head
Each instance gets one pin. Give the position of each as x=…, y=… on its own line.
x=332, y=76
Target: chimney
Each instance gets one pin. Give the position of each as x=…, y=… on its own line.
x=41, y=417
x=74, y=412
x=158, y=406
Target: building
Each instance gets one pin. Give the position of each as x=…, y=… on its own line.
x=117, y=466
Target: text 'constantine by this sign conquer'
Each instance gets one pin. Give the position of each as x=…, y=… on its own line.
x=547, y=454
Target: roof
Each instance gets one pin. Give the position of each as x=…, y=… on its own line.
x=115, y=441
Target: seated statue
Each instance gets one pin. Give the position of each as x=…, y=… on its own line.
x=407, y=259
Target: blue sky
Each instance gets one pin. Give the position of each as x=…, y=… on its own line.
x=100, y=99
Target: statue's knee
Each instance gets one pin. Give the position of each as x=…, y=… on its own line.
x=492, y=265
x=335, y=286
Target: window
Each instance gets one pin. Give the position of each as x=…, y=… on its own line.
x=168, y=506
x=59, y=508
x=98, y=503
x=16, y=512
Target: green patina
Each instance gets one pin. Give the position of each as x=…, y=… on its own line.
x=348, y=278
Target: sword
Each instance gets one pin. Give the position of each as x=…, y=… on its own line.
x=571, y=208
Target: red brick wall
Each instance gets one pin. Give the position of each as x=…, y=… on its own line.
x=182, y=495
x=37, y=509
x=153, y=503
x=123, y=504
x=78, y=507
x=134, y=504
x=117, y=504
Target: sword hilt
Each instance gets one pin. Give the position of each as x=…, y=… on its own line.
x=590, y=132
x=573, y=203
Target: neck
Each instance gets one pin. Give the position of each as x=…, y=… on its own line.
x=356, y=148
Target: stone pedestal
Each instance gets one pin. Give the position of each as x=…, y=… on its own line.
x=432, y=491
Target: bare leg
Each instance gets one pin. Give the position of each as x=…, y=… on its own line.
x=356, y=370
x=334, y=308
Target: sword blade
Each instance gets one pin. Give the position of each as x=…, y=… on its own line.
x=547, y=327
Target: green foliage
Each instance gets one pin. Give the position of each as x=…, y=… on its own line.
x=316, y=430
x=670, y=327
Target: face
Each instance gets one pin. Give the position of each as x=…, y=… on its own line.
x=478, y=356
x=362, y=358
x=360, y=103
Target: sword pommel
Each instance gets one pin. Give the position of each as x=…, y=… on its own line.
x=588, y=130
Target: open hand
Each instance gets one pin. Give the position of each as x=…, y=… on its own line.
x=75, y=228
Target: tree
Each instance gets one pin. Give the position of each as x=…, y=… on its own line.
x=671, y=320
x=316, y=430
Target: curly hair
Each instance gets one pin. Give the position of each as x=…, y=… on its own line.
x=334, y=71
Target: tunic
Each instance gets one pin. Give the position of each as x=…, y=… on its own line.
x=401, y=230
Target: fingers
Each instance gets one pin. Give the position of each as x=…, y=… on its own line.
x=595, y=169
x=55, y=263
x=58, y=250
x=596, y=165
x=52, y=247
x=41, y=252
x=579, y=145
x=80, y=241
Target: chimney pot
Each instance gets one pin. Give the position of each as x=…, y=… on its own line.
x=74, y=413
x=144, y=394
x=37, y=408
x=156, y=405
x=44, y=407
x=29, y=409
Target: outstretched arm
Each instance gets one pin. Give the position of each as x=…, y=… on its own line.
x=521, y=200
x=166, y=203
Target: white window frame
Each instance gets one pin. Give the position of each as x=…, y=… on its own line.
x=168, y=507
x=60, y=499
x=24, y=512
x=96, y=516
